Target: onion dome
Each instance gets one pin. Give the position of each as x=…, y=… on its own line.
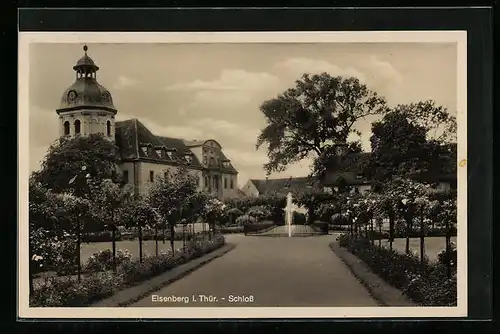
x=86, y=92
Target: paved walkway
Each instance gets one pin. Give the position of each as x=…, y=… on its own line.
x=273, y=272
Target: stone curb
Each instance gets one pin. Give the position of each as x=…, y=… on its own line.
x=131, y=295
x=382, y=292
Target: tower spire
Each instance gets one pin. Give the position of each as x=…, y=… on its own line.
x=85, y=48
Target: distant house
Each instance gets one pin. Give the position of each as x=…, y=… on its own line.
x=258, y=187
x=350, y=174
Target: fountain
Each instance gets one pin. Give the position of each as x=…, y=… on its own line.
x=289, y=213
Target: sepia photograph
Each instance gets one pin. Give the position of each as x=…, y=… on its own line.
x=242, y=175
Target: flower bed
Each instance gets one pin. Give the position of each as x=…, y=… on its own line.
x=230, y=229
x=102, y=283
x=258, y=228
x=426, y=284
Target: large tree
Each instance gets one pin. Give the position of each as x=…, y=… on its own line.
x=310, y=119
x=67, y=156
x=413, y=140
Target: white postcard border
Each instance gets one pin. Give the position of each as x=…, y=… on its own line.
x=27, y=38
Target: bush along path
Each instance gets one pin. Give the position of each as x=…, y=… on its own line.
x=425, y=284
x=103, y=283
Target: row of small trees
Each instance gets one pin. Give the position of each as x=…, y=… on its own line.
x=413, y=203
x=95, y=201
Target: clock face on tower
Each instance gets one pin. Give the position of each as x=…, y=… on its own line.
x=72, y=95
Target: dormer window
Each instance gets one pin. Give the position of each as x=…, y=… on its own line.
x=146, y=149
x=170, y=152
x=160, y=151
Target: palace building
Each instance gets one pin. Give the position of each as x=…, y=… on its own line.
x=87, y=107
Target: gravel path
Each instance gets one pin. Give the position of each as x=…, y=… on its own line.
x=272, y=272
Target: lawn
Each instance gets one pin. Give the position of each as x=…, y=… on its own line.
x=433, y=245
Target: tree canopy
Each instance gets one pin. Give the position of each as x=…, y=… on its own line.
x=310, y=119
x=66, y=157
x=413, y=140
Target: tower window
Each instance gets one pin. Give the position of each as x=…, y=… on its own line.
x=108, y=128
x=125, y=176
x=225, y=183
x=151, y=176
x=77, y=126
x=66, y=128
x=232, y=184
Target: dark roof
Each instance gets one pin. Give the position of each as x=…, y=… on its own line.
x=131, y=134
x=298, y=184
x=351, y=171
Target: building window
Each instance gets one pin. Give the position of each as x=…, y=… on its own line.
x=165, y=175
x=108, y=128
x=206, y=182
x=66, y=128
x=197, y=181
x=225, y=183
x=151, y=176
x=232, y=184
x=77, y=127
x=204, y=160
x=125, y=176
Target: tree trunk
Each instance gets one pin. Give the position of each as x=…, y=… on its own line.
x=448, y=250
x=371, y=232
x=32, y=289
x=408, y=228
x=140, y=242
x=391, y=230
x=422, y=240
x=380, y=234
x=163, y=233
x=156, y=239
x=78, y=257
x=172, y=237
x=113, y=242
x=184, y=237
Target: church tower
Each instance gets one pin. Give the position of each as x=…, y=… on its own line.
x=86, y=106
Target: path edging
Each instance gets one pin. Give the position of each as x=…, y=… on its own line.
x=382, y=292
x=130, y=295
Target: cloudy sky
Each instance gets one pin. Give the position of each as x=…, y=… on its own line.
x=201, y=91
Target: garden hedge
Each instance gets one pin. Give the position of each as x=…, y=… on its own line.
x=426, y=284
x=102, y=282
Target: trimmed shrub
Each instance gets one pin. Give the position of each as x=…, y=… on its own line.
x=426, y=284
x=258, y=228
x=103, y=260
x=245, y=220
x=299, y=218
x=67, y=292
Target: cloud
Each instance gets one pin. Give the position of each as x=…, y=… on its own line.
x=384, y=70
x=43, y=131
x=298, y=66
x=221, y=128
x=230, y=80
x=124, y=82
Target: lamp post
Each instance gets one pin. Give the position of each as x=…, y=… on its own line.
x=78, y=227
